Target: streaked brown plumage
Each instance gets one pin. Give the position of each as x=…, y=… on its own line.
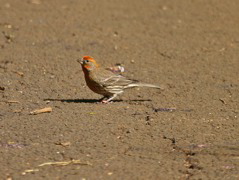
x=106, y=82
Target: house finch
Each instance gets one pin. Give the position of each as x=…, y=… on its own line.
x=107, y=82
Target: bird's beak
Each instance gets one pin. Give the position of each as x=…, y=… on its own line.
x=80, y=61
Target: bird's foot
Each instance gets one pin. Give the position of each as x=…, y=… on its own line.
x=106, y=102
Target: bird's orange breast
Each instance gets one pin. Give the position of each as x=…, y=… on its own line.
x=95, y=86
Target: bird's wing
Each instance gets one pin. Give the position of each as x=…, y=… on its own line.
x=117, y=80
x=112, y=79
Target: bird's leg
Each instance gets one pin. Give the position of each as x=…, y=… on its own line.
x=103, y=98
x=109, y=99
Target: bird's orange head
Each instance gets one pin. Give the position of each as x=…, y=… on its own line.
x=88, y=63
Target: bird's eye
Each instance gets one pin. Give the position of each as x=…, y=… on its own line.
x=86, y=61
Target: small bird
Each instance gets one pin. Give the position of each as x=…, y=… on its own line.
x=105, y=81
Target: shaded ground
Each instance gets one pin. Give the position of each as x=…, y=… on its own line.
x=188, y=131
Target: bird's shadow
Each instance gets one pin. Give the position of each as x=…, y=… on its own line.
x=91, y=100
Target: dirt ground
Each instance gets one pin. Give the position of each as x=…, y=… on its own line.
x=190, y=130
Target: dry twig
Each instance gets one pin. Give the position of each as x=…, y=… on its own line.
x=64, y=163
x=43, y=110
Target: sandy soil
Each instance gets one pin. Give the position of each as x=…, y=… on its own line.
x=188, y=131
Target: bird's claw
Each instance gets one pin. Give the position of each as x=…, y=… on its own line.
x=106, y=102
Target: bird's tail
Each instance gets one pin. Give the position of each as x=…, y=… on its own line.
x=145, y=85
